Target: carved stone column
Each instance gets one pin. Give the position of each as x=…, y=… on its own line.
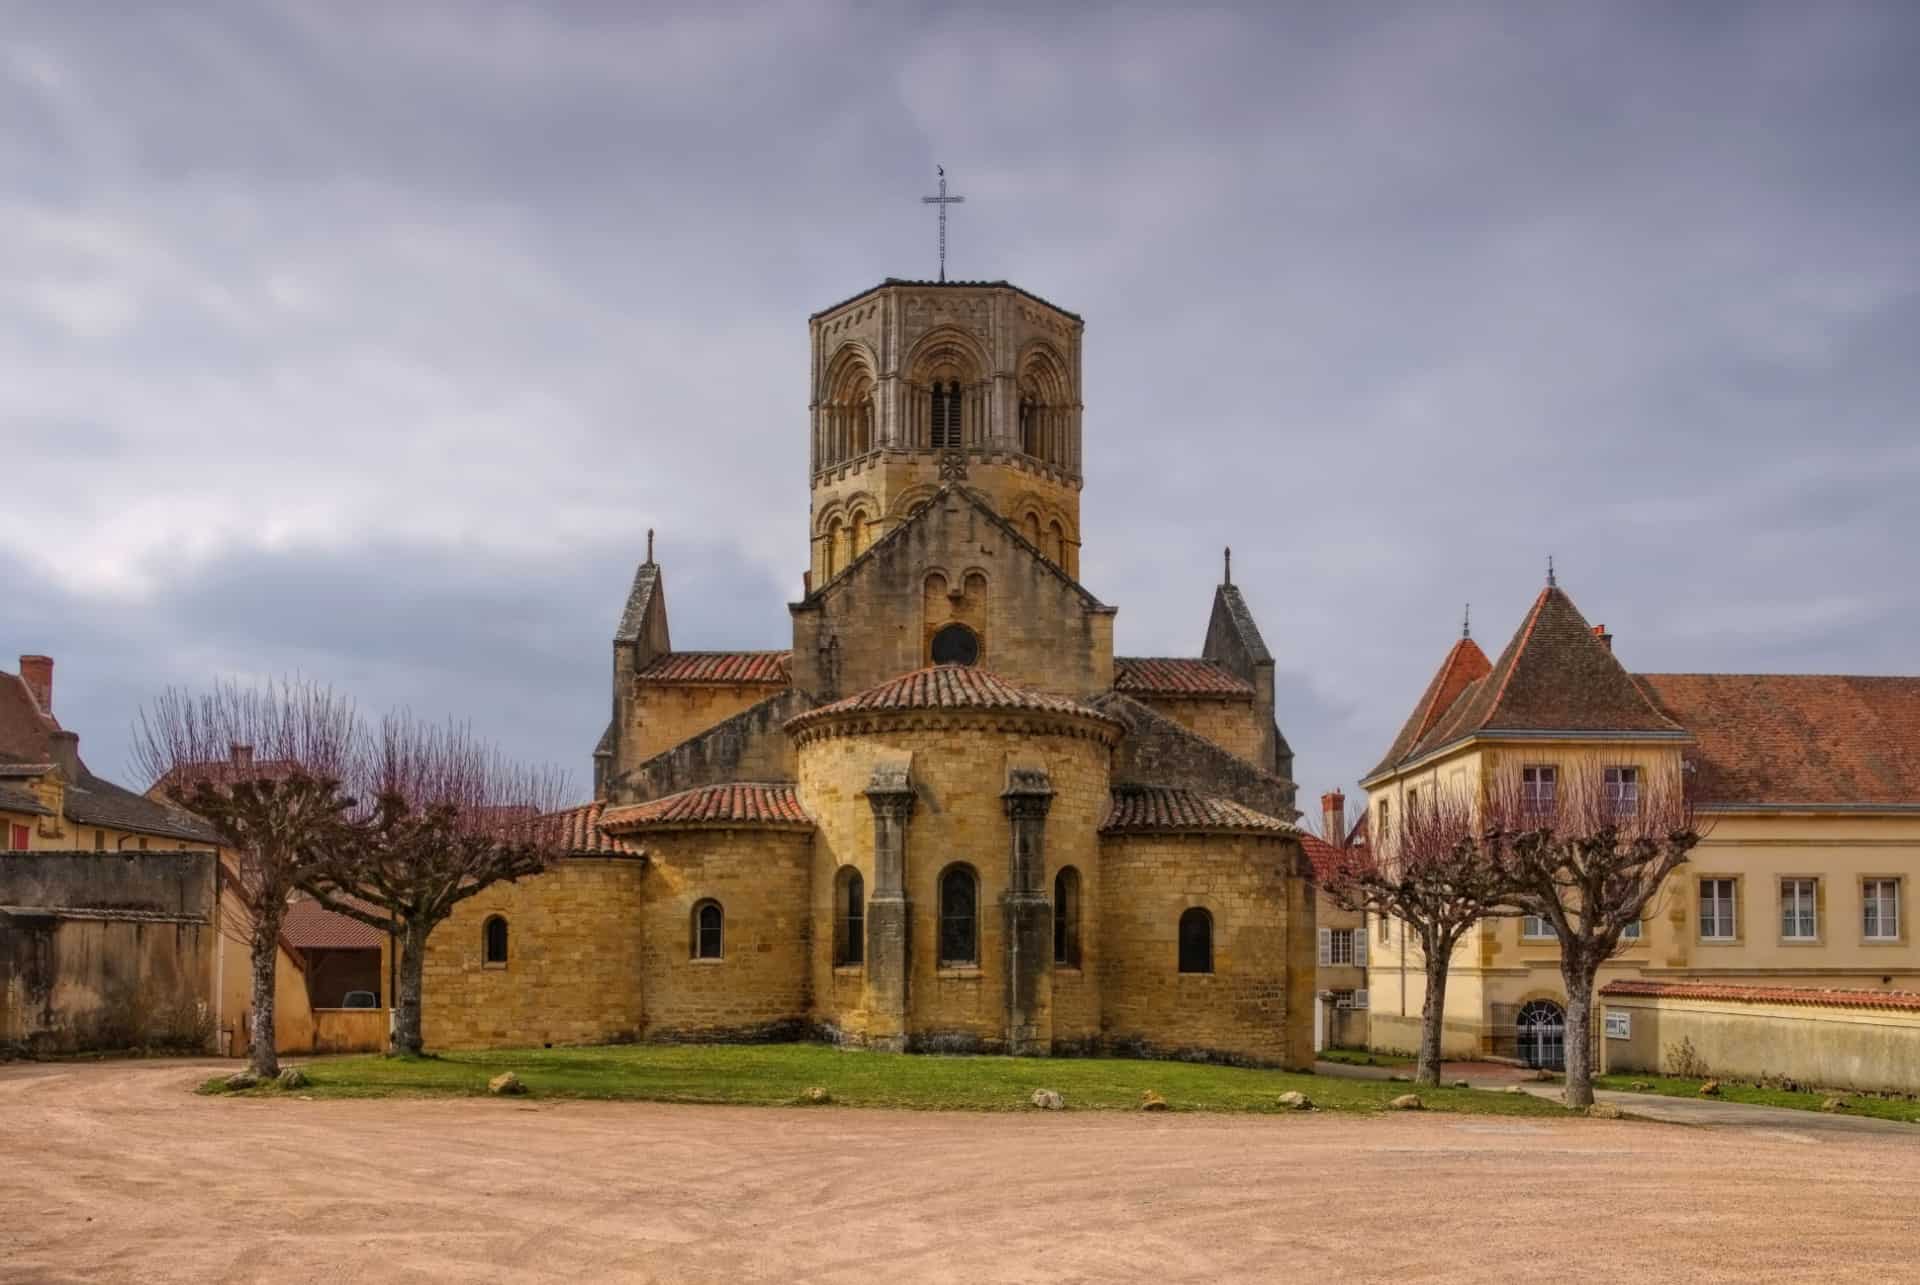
x=889, y=914
x=1028, y=915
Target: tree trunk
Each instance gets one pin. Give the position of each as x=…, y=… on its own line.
x=265, y=956
x=1578, y=978
x=412, y=942
x=1432, y=1015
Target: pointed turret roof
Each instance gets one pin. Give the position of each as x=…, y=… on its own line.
x=1464, y=664
x=1556, y=675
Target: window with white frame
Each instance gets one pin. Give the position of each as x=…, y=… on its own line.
x=1539, y=785
x=1343, y=946
x=1343, y=999
x=1623, y=790
x=1536, y=928
x=1799, y=910
x=1717, y=922
x=1619, y=1024
x=1631, y=932
x=1360, y=998
x=1880, y=902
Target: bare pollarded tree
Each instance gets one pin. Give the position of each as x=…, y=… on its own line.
x=1432, y=875
x=1588, y=851
x=265, y=767
x=448, y=817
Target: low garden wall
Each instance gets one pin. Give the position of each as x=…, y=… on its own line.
x=1842, y=1039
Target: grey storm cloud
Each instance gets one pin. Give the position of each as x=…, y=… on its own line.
x=369, y=344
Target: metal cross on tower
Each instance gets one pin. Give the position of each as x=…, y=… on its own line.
x=943, y=201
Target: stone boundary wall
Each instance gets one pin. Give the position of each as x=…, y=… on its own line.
x=1864, y=1045
x=106, y=950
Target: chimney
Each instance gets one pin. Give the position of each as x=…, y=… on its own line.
x=240, y=756
x=64, y=749
x=1333, y=817
x=1606, y=639
x=37, y=673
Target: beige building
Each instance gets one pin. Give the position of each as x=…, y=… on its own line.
x=948, y=817
x=1341, y=975
x=1808, y=788
x=51, y=802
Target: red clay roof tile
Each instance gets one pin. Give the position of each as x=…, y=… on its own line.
x=1177, y=676
x=948, y=687
x=755, y=667
x=1797, y=738
x=1624, y=987
x=1159, y=808
x=736, y=803
x=311, y=926
x=580, y=833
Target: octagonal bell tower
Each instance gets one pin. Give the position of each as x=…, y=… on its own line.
x=920, y=382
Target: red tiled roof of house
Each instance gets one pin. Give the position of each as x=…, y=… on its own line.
x=1177, y=676
x=579, y=833
x=948, y=687
x=1150, y=808
x=756, y=667
x=1797, y=738
x=311, y=926
x=1908, y=1001
x=738, y=803
x=1323, y=856
x=1464, y=663
x=1556, y=675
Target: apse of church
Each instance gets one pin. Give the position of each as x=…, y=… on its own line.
x=947, y=817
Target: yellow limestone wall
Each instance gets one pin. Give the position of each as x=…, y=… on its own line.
x=1227, y=723
x=1257, y=1004
x=662, y=715
x=959, y=770
x=1820, y=1046
x=758, y=988
x=573, y=971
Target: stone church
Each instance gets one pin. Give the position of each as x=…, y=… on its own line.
x=949, y=817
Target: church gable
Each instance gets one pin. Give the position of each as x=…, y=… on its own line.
x=953, y=584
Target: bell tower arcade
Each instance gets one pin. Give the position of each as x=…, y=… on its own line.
x=916, y=383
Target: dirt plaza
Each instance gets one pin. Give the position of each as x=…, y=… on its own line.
x=116, y=1171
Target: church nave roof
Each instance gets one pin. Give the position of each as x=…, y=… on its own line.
x=948, y=687
x=757, y=803
x=770, y=667
x=1177, y=676
x=1136, y=809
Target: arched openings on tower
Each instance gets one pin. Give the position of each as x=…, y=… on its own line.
x=1049, y=423
x=948, y=405
x=844, y=424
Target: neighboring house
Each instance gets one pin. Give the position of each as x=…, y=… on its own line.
x=1341, y=977
x=1809, y=789
x=50, y=801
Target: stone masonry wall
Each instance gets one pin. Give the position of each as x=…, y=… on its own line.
x=749, y=746
x=959, y=771
x=662, y=715
x=1230, y=724
x=1256, y=1006
x=573, y=970
x=759, y=988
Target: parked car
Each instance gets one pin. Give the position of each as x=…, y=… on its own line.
x=360, y=999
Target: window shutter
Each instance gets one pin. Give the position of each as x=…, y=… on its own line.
x=1360, y=999
x=1360, y=948
x=1326, y=947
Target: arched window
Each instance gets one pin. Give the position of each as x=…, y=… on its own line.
x=707, y=923
x=955, y=645
x=1029, y=426
x=1196, y=941
x=493, y=940
x=945, y=421
x=849, y=917
x=1033, y=531
x=1057, y=544
x=863, y=423
x=833, y=562
x=959, y=916
x=1066, y=918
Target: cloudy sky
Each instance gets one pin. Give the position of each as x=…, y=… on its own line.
x=366, y=341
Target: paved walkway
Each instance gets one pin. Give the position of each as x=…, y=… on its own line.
x=1646, y=1106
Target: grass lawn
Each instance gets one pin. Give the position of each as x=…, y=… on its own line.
x=1361, y=1057
x=1674, y=1087
x=778, y=1074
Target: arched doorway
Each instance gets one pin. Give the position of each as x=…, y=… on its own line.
x=1540, y=1035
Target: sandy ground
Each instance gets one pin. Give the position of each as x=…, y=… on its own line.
x=115, y=1172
